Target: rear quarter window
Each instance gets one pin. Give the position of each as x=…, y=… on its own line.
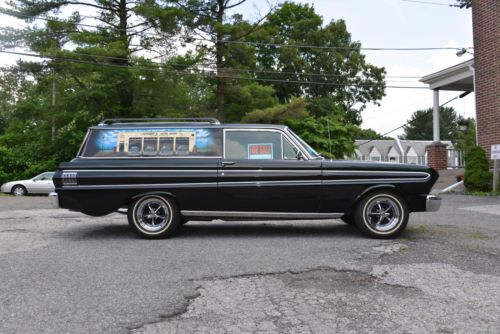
x=153, y=142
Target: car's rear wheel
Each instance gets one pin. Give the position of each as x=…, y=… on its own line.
x=382, y=214
x=153, y=217
x=19, y=190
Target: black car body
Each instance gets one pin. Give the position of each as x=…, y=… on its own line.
x=206, y=170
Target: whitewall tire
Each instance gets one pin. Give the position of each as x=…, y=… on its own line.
x=153, y=216
x=382, y=214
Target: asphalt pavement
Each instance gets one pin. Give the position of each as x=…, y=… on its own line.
x=63, y=272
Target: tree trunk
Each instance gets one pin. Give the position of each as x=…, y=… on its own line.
x=126, y=94
x=219, y=60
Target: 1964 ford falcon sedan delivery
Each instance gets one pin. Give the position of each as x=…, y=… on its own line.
x=166, y=172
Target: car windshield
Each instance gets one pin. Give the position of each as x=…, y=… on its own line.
x=308, y=148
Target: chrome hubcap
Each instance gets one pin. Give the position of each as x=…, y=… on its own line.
x=18, y=191
x=383, y=214
x=153, y=215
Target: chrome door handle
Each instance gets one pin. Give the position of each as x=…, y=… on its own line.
x=228, y=163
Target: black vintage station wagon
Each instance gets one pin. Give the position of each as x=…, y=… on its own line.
x=165, y=172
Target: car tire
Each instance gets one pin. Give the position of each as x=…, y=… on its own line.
x=382, y=214
x=19, y=190
x=153, y=217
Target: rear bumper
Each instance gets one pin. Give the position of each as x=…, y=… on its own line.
x=54, y=200
x=432, y=203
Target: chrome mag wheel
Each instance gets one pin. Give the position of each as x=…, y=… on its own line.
x=153, y=214
x=383, y=213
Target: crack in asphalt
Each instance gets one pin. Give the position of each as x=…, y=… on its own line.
x=189, y=299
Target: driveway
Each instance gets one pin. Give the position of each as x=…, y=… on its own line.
x=62, y=271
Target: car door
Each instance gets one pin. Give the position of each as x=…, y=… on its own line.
x=260, y=172
x=42, y=183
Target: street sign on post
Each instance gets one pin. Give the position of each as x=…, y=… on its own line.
x=495, y=156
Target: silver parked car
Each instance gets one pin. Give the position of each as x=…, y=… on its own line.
x=40, y=184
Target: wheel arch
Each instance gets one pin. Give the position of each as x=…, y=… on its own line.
x=370, y=190
x=19, y=185
x=153, y=193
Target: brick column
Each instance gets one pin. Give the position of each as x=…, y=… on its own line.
x=437, y=156
x=486, y=27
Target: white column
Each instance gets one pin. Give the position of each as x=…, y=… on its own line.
x=436, y=116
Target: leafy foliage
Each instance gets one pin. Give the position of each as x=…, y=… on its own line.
x=477, y=175
x=464, y=3
x=420, y=125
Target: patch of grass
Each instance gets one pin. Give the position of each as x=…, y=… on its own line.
x=478, y=235
x=4, y=195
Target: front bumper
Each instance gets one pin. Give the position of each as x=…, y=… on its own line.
x=4, y=188
x=432, y=203
x=54, y=200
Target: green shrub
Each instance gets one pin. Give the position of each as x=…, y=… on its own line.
x=477, y=175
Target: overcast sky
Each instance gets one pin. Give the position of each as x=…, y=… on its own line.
x=389, y=23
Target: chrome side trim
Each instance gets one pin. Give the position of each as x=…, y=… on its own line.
x=382, y=172
x=246, y=214
x=140, y=186
x=369, y=181
x=244, y=183
x=432, y=203
x=54, y=200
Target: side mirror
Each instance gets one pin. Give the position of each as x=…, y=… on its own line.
x=299, y=155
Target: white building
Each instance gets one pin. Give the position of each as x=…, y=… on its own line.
x=404, y=151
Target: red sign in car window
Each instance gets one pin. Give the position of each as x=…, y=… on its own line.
x=260, y=151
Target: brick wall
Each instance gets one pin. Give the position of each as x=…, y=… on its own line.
x=437, y=156
x=486, y=27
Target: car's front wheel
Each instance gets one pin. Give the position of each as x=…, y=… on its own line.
x=382, y=214
x=153, y=217
x=19, y=190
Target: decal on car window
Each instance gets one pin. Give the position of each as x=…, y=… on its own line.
x=260, y=151
x=154, y=142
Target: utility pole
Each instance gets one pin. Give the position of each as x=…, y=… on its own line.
x=53, y=128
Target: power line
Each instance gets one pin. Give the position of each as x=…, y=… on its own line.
x=410, y=121
x=229, y=69
x=203, y=72
x=299, y=46
x=431, y=3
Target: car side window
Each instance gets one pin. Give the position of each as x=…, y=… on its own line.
x=258, y=145
x=289, y=151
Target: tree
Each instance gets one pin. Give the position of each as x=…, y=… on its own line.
x=336, y=71
x=120, y=34
x=464, y=3
x=207, y=24
x=420, y=125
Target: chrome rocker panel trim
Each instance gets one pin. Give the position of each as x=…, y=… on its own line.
x=245, y=214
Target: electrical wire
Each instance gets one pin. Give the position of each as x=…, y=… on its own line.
x=298, y=46
x=410, y=121
x=201, y=70
x=431, y=3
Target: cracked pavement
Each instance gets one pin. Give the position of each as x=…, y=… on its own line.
x=65, y=272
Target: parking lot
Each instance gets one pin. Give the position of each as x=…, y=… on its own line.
x=63, y=272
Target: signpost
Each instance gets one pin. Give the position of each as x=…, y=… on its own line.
x=495, y=156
